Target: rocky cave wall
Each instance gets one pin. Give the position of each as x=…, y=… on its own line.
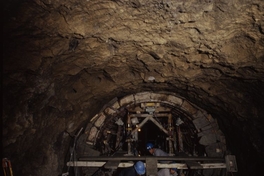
x=63, y=60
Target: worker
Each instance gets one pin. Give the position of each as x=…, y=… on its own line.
x=136, y=170
x=158, y=152
x=168, y=172
x=155, y=151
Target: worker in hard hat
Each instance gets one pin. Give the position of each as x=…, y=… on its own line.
x=158, y=152
x=155, y=151
x=168, y=172
x=136, y=170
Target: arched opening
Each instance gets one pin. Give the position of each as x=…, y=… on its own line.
x=172, y=123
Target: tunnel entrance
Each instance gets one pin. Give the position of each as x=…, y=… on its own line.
x=171, y=123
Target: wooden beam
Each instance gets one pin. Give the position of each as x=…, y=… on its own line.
x=193, y=165
x=128, y=164
x=159, y=125
x=159, y=158
x=111, y=164
x=150, y=115
x=141, y=124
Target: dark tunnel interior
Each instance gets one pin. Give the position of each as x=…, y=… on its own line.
x=86, y=84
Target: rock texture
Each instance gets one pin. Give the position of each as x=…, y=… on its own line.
x=63, y=60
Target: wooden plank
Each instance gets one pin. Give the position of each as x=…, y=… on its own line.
x=149, y=115
x=129, y=164
x=85, y=163
x=111, y=164
x=181, y=157
x=193, y=165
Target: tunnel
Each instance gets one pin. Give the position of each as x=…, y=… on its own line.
x=88, y=83
x=166, y=120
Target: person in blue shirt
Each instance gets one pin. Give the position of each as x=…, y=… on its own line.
x=158, y=152
x=136, y=170
x=155, y=151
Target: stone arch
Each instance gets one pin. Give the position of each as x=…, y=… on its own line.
x=206, y=127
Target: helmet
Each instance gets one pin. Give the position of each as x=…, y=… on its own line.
x=140, y=168
x=175, y=169
x=149, y=146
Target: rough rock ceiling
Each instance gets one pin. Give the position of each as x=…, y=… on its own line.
x=63, y=60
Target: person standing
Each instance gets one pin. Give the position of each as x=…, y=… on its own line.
x=136, y=170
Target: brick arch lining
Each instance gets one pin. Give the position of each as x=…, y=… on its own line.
x=207, y=129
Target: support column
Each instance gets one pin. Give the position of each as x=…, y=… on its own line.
x=151, y=167
x=129, y=130
x=170, y=133
x=180, y=139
